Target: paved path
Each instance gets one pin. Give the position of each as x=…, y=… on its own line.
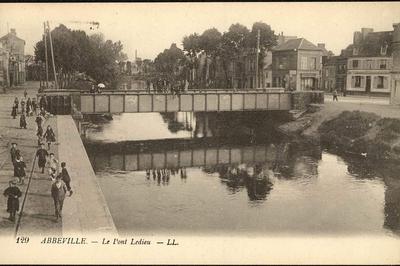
x=86, y=211
x=359, y=99
x=38, y=217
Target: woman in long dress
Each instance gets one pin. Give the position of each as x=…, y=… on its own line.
x=49, y=136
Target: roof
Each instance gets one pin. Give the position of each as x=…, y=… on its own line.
x=9, y=36
x=371, y=45
x=298, y=44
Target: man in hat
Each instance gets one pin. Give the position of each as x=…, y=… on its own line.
x=42, y=154
x=58, y=191
x=13, y=193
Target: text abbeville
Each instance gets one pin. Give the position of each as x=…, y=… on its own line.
x=64, y=240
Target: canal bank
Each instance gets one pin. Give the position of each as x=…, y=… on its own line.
x=365, y=129
x=86, y=211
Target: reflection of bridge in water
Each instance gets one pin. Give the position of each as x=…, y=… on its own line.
x=176, y=154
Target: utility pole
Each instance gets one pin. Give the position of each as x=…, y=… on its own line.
x=258, y=49
x=45, y=54
x=52, y=57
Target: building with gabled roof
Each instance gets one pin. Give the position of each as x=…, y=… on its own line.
x=369, y=62
x=15, y=46
x=296, y=65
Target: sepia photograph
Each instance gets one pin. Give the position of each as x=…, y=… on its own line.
x=200, y=133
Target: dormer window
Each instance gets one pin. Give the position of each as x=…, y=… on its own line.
x=355, y=51
x=384, y=49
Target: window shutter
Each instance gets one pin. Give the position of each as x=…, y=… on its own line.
x=385, y=82
x=362, y=82
x=375, y=82
x=353, y=81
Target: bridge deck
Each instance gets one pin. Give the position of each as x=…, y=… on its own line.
x=191, y=101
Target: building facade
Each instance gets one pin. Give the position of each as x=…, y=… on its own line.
x=15, y=47
x=395, y=73
x=4, y=58
x=334, y=71
x=297, y=65
x=369, y=63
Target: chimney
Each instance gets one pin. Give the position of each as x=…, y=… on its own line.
x=357, y=38
x=366, y=31
x=321, y=45
x=13, y=32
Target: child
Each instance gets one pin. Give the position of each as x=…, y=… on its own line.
x=53, y=165
x=19, y=167
x=65, y=177
x=50, y=136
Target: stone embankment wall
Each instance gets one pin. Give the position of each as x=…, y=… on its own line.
x=301, y=99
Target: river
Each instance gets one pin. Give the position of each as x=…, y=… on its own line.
x=233, y=174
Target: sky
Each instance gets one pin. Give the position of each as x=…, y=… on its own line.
x=150, y=28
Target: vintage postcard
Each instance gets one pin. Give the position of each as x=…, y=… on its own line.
x=200, y=133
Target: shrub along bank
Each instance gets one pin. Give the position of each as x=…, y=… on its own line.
x=362, y=133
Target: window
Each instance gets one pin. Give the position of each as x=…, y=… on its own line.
x=382, y=64
x=303, y=62
x=380, y=84
x=355, y=51
x=355, y=63
x=384, y=49
x=313, y=63
x=369, y=64
x=358, y=81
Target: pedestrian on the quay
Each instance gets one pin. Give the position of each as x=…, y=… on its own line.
x=13, y=193
x=14, y=111
x=53, y=166
x=13, y=151
x=22, y=106
x=16, y=102
x=43, y=102
x=29, y=107
x=22, y=121
x=49, y=136
x=34, y=105
x=65, y=177
x=39, y=121
x=335, y=95
x=19, y=167
x=25, y=94
x=42, y=154
x=58, y=191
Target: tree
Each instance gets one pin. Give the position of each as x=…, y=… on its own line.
x=232, y=44
x=210, y=42
x=170, y=64
x=191, y=46
x=268, y=39
x=75, y=51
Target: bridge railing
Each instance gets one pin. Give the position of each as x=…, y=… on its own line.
x=67, y=102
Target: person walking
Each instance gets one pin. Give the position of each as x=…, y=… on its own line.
x=58, y=191
x=16, y=102
x=13, y=152
x=43, y=102
x=23, y=106
x=13, y=193
x=22, y=121
x=28, y=107
x=335, y=95
x=34, y=105
x=14, y=111
x=53, y=166
x=19, y=167
x=66, y=178
x=42, y=154
x=49, y=136
x=25, y=94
